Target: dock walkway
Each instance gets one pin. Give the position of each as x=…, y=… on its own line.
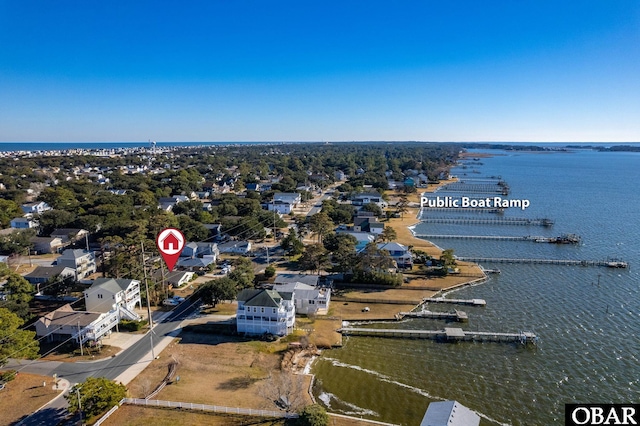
x=494, y=221
x=569, y=262
x=449, y=334
x=472, y=302
x=456, y=315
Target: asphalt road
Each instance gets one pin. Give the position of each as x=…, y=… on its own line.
x=56, y=412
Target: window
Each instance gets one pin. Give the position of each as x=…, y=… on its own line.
x=99, y=296
x=262, y=310
x=255, y=309
x=274, y=310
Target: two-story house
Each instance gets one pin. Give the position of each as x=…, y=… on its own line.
x=24, y=223
x=109, y=294
x=284, y=202
x=82, y=261
x=399, y=253
x=65, y=323
x=368, y=197
x=265, y=311
x=35, y=208
x=309, y=300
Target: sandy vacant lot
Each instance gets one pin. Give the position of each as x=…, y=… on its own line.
x=216, y=370
x=23, y=396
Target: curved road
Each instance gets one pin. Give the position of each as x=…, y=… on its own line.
x=56, y=411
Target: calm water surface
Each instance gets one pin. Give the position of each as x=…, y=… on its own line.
x=590, y=345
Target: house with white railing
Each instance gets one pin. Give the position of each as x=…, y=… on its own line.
x=121, y=295
x=265, y=311
x=83, y=326
x=81, y=261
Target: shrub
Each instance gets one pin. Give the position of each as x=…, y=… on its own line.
x=269, y=271
x=7, y=376
x=128, y=325
x=313, y=415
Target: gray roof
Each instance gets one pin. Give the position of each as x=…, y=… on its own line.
x=266, y=298
x=309, y=279
x=48, y=272
x=449, y=413
x=114, y=285
x=392, y=247
x=66, y=232
x=65, y=315
x=74, y=254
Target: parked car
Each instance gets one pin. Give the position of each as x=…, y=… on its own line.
x=178, y=299
x=170, y=302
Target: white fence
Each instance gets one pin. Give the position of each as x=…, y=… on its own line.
x=204, y=407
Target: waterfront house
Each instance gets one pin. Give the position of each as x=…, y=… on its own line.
x=265, y=311
x=309, y=300
x=111, y=294
x=449, y=413
x=362, y=238
x=399, y=253
x=82, y=261
x=309, y=279
x=64, y=323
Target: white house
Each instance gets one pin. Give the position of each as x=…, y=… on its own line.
x=449, y=413
x=281, y=207
x=309, y=300
x=368, y=197
x=238, y=247
x=35, y=208
x=292, y=198
x=65, y=323
x=399, y=253
x=200, y=249
x=23, y=223
x=265, y=311
x=107, y=294
x=174, y=278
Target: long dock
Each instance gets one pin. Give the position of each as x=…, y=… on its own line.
x=472, y=302
x=466, y=210
x=496, y=221
x=448, y=334
x=456, y=315
x=478, y=188
x=562, y=239
x=569, y=262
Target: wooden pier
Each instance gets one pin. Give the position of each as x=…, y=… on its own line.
x=537, y=239
x=568, y=262
x=478, y=188
x=466, y=210
x=448, y=334
x=456, y=315
x=472, y=302
x=494, y=221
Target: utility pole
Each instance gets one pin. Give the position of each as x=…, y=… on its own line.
x=146, y=286
x=79, y=405
x=80, y=339
x=86, y=240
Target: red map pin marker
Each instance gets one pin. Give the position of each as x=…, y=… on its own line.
x=170, y=243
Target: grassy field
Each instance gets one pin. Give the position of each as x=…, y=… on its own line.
x=25, y=395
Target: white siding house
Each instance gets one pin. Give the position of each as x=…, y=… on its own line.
x=265, y=311
x=309, y=300
x=107, y=294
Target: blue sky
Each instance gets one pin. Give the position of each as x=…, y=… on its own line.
x=237, y=70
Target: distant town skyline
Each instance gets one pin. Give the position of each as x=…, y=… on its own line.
x=499, y=71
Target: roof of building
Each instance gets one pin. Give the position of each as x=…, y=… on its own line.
x=114, y=285
x=74, y=253
x=449, y=413
x=195, y=262
x=392, y=246
x=65, y=315
x=309, y=279
x=367, y=194
x=266, y=298
x=48, y=272
x=67, y=231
